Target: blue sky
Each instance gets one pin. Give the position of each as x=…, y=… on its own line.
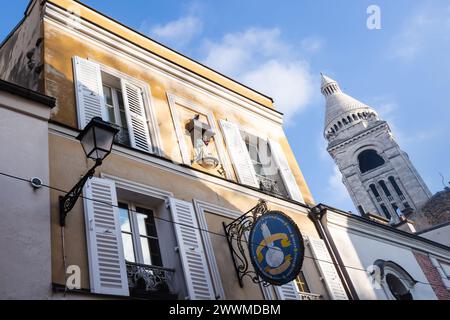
x=401, y=70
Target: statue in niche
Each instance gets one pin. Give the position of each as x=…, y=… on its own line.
x=201, y=135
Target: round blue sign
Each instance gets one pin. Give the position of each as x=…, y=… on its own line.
x=276, y=248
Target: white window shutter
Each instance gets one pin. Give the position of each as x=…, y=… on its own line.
x=107, y=267
x=239, y=154
x=192, y=253
x=285, y=171
x=89, y=91
x=136, y=117
x=288, y=291
x=327, y=269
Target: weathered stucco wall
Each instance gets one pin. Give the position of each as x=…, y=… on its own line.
x=21, y=55
x=61, y=47
x=68, y=163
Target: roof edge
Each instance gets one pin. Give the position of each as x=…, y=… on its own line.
x=27, y=93
x=400, y=232
x=148, y=44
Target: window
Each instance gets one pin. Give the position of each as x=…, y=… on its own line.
x=386, y=190
x=396, y=282
x=263, y=161
x=396, y=188
x=115, y=97
x=375, y=192
x=397, y=288
x=369, y=160
x=139, y=235
x=385, y=211
x=301, y=283
x=115, y=111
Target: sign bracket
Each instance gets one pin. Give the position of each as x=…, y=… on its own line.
x=237, y=233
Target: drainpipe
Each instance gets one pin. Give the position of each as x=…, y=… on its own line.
x=316, y=214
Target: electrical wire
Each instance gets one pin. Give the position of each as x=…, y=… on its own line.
x=188, y=226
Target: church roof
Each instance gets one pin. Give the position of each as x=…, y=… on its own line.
x=338, y=103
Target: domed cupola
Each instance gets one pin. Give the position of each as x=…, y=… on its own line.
x=343, y=112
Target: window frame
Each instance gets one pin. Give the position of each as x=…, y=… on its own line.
x=150, y=113
x=258, y=137
x=115, y=92
x=136, y=235
x=301, y=281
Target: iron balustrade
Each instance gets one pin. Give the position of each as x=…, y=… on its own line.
x=150, y=279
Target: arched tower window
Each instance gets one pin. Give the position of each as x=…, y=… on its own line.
x=375, y=192
x=385, y=189
x=395, y=185
x=369, y=160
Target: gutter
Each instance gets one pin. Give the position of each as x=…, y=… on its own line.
x=316, y=214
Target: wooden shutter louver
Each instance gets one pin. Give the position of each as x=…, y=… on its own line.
x=192, y=253
x=285, y=171
x=239, y=154
x=106, y=260
x=89, y=91
x=136, y=117
x=327, y=269
x=288, y=292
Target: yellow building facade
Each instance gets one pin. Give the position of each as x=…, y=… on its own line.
x=158, y=203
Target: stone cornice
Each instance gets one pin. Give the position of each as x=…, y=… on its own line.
x=387, y=234
x=365, y=133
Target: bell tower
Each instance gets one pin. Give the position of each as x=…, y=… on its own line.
x=378, y=175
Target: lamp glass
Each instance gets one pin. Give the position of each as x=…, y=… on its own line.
x=104, y=140
x=88, y=143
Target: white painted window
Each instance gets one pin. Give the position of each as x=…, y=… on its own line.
x=260, y=162
x=266, y=169
x=116, y=98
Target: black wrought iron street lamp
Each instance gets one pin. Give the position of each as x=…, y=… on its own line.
x=97, y=140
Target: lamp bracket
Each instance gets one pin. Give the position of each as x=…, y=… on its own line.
x=67, y=202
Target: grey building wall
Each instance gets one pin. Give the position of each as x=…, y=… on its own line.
x=25, y=253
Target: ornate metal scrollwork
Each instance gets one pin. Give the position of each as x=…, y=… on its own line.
x=236, y=233
x=149, y=278
x=67, y=202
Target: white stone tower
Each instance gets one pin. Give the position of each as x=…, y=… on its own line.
x=378, y=174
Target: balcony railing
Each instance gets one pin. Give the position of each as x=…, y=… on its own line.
x=144, y=280
x=309, y=296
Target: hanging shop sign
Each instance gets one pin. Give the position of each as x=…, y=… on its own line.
x=276, y=248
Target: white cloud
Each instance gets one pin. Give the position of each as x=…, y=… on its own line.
x=312, y=44
x=420, y=32
x=261, y=59
x=178, y=33
x=290, y=83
